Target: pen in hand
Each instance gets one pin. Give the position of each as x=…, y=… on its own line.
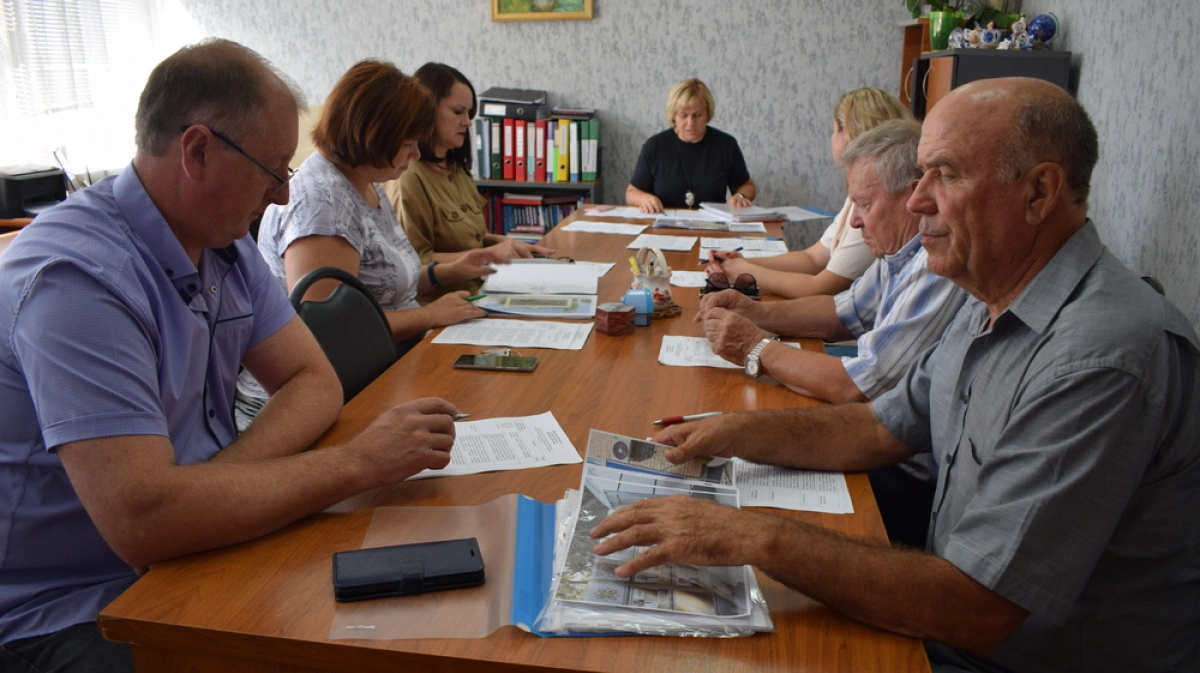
x=675, y=420
x=461, y=417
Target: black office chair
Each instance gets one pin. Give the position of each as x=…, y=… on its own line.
x=350, y=327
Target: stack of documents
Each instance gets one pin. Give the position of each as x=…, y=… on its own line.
x=728, y=213
x=542, y=279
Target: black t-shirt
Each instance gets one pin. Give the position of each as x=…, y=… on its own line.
x=668, y=167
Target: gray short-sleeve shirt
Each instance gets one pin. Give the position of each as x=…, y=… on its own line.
x=1067, y=443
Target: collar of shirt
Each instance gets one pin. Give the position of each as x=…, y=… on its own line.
x=148, y=225
x=1045, y=295
x=897, y=260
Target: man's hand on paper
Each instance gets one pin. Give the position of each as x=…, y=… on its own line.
x=406, y=439
x=713, y=436
x=731, y=336
x=680, y=529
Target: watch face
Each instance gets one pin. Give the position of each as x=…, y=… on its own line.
x=752, y=366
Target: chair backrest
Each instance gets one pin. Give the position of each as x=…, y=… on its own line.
x=5, y=239
x=350, y=326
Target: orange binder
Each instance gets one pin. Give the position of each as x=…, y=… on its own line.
x=518, y=149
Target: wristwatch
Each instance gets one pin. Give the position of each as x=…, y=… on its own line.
x=753, y=365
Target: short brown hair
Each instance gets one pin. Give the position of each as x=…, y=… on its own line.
x=372, y=110
x=219, y=83
x=1052, y=129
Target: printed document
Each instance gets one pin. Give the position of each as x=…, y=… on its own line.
x=517, y=334
x=798, y=214
x=689, y=278
x=605, y=227
x=540, y=305
x=498, y=444
x=787, y=488
x=757, y=247
x=681, y=351
x=670, y=243
x=542, y=279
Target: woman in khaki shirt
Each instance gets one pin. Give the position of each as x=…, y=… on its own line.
x=439, y=205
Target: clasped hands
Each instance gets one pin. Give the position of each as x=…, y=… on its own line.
x=729, y=319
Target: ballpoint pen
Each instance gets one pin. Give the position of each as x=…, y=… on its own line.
x=476, y=297
x=675, y=420
x=461, y=417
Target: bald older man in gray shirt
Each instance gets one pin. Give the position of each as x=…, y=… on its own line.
x=1063, y=412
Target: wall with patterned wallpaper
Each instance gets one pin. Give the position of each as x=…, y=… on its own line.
x=1136, y=73
x=776, y=68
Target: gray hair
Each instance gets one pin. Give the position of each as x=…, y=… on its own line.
x=893, y=147
x=215, y=82
x=1051, y=129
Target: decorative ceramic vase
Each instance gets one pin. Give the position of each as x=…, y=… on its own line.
x=1043, y=27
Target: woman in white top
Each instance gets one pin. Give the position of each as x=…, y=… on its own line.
x=338, y=214
x=833, y=263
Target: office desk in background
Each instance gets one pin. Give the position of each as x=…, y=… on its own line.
x=267, y=605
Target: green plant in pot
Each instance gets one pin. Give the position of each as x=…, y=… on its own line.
x=971, y=11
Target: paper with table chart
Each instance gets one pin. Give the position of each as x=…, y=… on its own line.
x=542, y=279
x=765, y=247
x=786, y=488
x=515, y=443
x=540, y=305
x=668, y=243
x=605, y=227
x=517, y=334
x=680, y=351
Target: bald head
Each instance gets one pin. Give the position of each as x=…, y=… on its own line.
x=1029, y=121
x=217, y=83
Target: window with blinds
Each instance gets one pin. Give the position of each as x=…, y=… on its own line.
x=71, y=72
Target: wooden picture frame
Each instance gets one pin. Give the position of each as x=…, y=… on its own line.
x=541, y=10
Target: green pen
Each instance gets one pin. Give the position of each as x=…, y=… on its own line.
x=476, y=297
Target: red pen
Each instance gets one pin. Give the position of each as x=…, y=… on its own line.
x=675, y=420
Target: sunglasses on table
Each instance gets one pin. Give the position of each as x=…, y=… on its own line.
x=744, y=283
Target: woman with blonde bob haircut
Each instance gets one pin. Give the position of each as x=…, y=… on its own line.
x=691, y=162
x=830, y=265
x=339, y=216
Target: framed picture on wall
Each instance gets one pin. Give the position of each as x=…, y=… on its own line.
x=540, y=10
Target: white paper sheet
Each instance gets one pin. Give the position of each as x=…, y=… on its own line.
x=688, y=278
x=671, y=243
x=513, y=443
x=600, y=268
x=517, y=334
x=798, y=214
x=542, y=279
x=687, y=214
x=761, y=247
x=680, y=351
x=605, y=227
x=786, y=488
x=623, y=212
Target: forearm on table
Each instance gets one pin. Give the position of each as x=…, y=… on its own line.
x=813, y=317
x=796, y=262
x=410, y=322
x=794, y=285
x=812, y=374
x=907, y=592
x=844, y=438
x=747, y=190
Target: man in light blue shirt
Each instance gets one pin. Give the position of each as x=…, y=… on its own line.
x=896, y=309
x=125, y=313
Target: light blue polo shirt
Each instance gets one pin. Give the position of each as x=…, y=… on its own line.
x=107, y=329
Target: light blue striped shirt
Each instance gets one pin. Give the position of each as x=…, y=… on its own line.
x=897, y=309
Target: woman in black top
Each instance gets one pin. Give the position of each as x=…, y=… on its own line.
x=691, y=162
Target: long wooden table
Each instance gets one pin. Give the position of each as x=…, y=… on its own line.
x=267, y=605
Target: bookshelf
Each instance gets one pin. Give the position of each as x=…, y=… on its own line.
x=550, y=202
x=591, y=191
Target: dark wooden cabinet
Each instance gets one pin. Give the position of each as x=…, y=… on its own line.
x=937, y=72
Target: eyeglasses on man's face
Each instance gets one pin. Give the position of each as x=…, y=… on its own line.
x=282, y=180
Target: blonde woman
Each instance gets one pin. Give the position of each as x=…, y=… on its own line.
x=830, y=265
x=691, y=162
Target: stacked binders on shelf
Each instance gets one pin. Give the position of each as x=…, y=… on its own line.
x=528, y=142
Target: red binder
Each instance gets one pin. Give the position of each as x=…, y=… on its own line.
x=509, y=156
x=519, y=147
x=539, y=168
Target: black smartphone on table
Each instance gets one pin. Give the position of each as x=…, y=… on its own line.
x=504, y=363
x=406, y=569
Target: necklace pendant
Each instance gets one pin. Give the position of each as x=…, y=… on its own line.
x=689, y=198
